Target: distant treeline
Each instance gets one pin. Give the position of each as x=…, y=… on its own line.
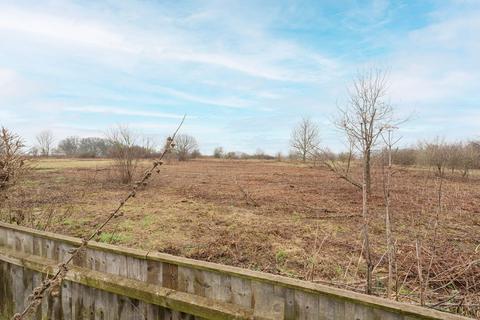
x=219, y=153
x=458, y=156
x=120, y=140
x=437, y=154
x=92, y=147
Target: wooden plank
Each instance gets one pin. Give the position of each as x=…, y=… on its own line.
x=116, y=264
x=24, y=242
x=217, y=286
x=3, y=237
x=265, y=303
x=77, y=301
x=186, y=280
x=170, y=276
x=355, y=311
x=36, y=282
x=16, y=274
x=10, y=239
x=306, y=306
x=56, y=307
x=51, y=249
x=127, y=309
x=37, y=246
x=241, y=292
x=100, y=305
x=66, y=300
x=6, y=288
x=288, y=295
x=63, y=251
x=88, y=309
x=27, y=284
x=331, y=309
x=136, y=269
x=154, y=272
x=43, y=247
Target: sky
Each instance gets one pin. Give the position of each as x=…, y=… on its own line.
x=245, y=72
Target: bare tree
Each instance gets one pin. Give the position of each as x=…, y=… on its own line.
x=124, y=151
x=69, y=146
x=366, y=116
x=12, y=168
x=434, y=154
x=471, y=158
x=45, y=142
x=218, y=152
x=184, y=146
x=390, y=142
x=305, y=138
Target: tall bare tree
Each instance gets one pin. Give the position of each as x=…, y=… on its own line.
x=305, y=138
x=45, y=142
x=185, y=145
x=365, y=117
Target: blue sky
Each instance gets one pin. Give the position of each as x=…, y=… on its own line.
x=243, y=71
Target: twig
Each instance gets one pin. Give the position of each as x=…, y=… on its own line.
x=246, y=195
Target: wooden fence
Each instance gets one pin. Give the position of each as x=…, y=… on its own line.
x=109, y=282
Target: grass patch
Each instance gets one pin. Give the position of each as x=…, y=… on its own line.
x=281, y=256
x=113, y=238
x=148, y=221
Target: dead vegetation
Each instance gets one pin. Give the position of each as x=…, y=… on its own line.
x=306, y=223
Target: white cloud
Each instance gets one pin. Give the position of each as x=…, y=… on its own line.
x=67, y=30
x=255, y=53
x=222, y=102
x=123, y=112
x=439, y=62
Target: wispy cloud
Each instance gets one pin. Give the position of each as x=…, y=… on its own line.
x=86, y=65
x=256, y=54
x=123, y=112
x=56, y=28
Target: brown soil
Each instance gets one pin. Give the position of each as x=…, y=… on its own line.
x=290, y=219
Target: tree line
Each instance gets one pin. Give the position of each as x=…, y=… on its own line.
x=119, y=138
x=459, y=156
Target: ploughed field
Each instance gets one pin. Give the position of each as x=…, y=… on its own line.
x=286, y=218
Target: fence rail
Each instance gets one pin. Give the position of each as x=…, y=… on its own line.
x=110, y=282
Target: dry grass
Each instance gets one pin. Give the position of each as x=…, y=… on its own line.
x=195, y=209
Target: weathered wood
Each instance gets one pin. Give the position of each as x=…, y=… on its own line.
x=136, y=269
x=116, y=264
x=265, y=303
x=170, y=276
x=306, y=306
x=133, y=290
x=109, y=282
x=154, y=272
x=288, y=295
x=217, y=286
x=241, y=292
